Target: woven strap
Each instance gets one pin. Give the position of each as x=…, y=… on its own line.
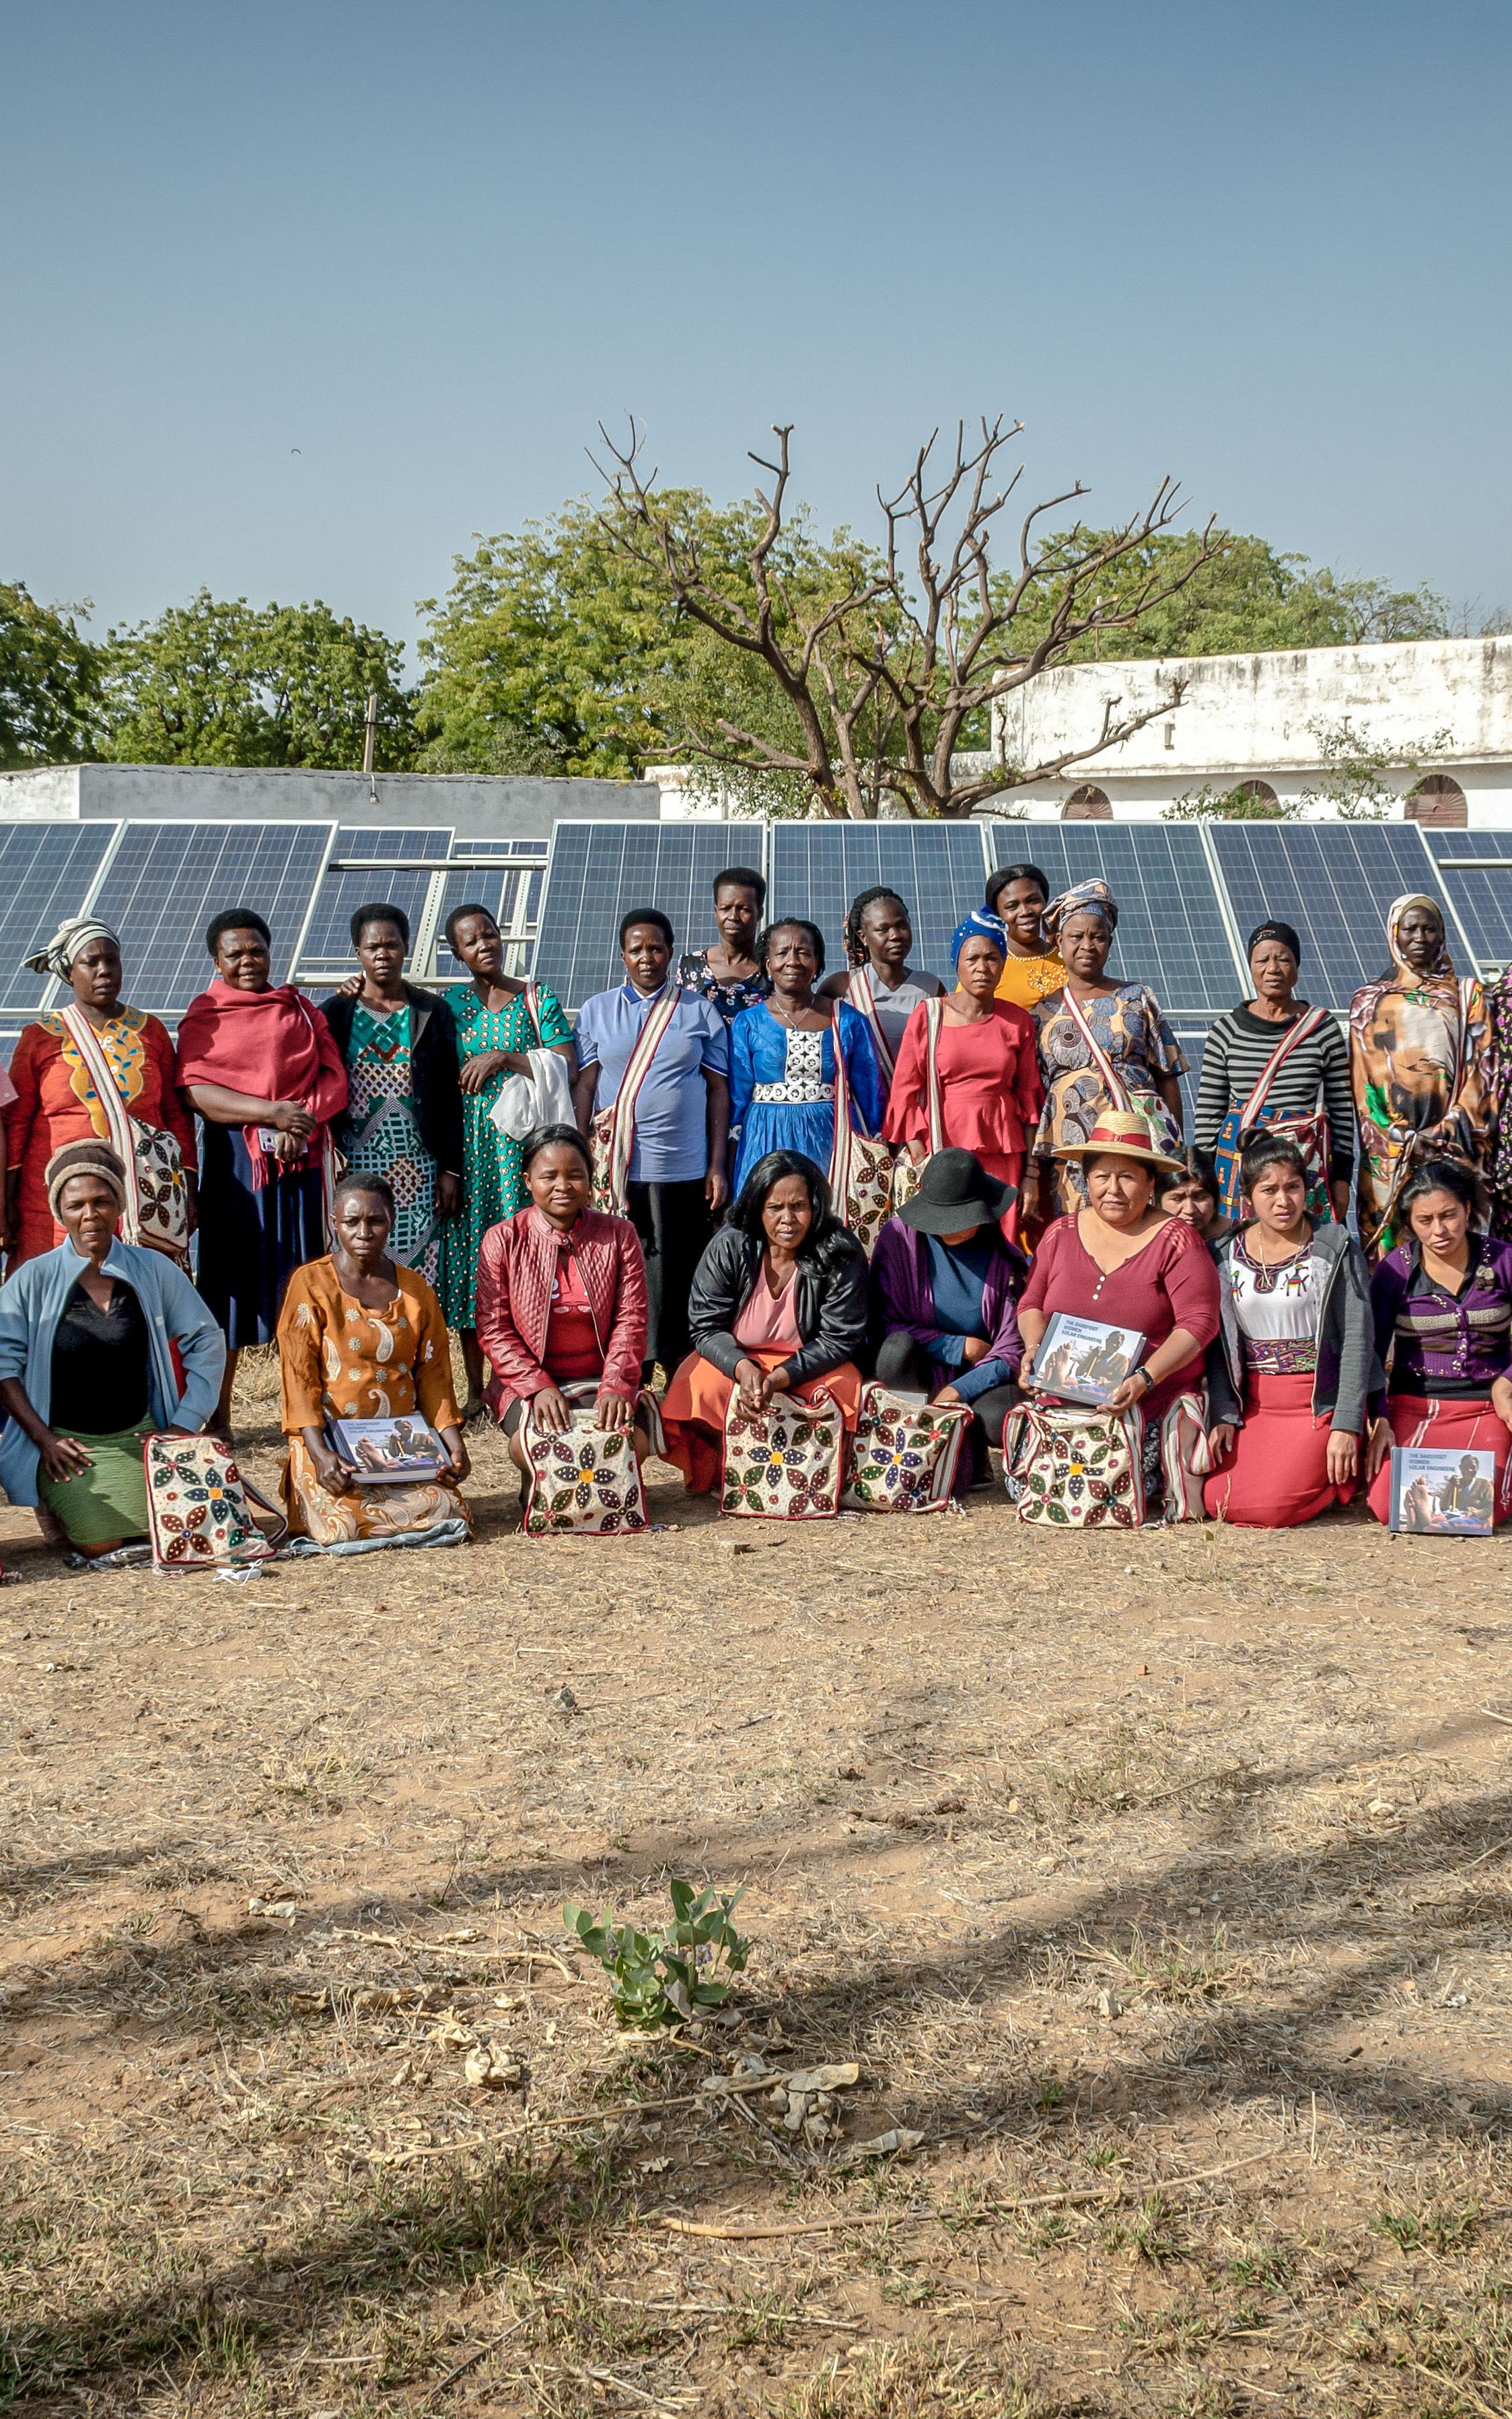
x=638, y=1066
x=1295, y=1035
x=122, y=1136
x=863, y=996
x=1117, y=1091
x=934, y=1019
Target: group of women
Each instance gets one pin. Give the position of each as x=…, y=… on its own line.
x=687, y=1197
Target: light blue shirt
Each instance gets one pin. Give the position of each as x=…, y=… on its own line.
x=671, y=1145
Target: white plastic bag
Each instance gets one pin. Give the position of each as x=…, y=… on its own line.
x=542, y=1097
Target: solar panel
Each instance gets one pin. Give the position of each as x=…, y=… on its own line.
x=1172, y=932
x=327, y=942
x=394, y=842
x=1334, y=883
x=465, y=845
x=598, y=871
x=1480, y=893
x=46, y=870
x=939, y=871
x=165, y=881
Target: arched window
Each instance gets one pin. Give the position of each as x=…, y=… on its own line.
x=1088, y=804
x=1260, y=792
x=1438, y=798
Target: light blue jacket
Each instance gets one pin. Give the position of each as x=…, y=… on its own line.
x=32, y=1303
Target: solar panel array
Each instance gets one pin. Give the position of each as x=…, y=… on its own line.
x=818, y=868
x=1476, y=869
x=1171, y=914
x=161, y=882
x=599, y=872
x=1334, y=883
x=47, y=872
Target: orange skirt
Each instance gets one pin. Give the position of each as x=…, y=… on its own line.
x=693, y=1410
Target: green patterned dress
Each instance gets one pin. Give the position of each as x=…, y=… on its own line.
x=492, y=1186
x=380, y=1136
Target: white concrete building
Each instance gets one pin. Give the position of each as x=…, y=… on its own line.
x=1441, y=708
x=476, y=806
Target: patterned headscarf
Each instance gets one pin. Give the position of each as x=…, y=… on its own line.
x=1444, y=963
x=980, y=925
x=1090, y=897
x=65, y=944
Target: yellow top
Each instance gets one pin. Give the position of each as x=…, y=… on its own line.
x=1026, y=980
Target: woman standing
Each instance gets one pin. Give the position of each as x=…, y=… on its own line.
x=1419, y=1054
x=100, y=1344
x=1020, y=894
x=879, y=981
x=360, y=1336
x=727, y=975
x=1290, y=1376
x=783, y=1066
x=1103, y=1045
x=778, y=1306
x=403, y=1105
x=55, y=1071
x=260, y=1064
x=495, y=1035
x=1278, y=1062
x=1442, y=1306
x=985, y=1095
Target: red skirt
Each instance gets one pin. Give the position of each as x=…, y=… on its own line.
x=1447, y=1427
x=1276, y=1477
x=695, y=1404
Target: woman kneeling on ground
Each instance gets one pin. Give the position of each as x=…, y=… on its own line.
x=1123, y=1262
x=88, y=1336
x=1291, y=1372
x=1442, y=1307
x=943, y=1283
x=562, y=1300
x=360, y=1336
x=778, y=1307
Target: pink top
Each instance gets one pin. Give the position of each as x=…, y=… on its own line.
x=769, y=1321
x=1171, y=1283
x=571, y=1345
x=990, y=1087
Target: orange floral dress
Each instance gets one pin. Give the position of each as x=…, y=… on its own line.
x=56, y=1103
x=339, y=1360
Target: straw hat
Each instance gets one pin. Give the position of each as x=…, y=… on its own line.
x=1120, y=1133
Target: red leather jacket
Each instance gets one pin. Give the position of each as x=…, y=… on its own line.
x=515, y=1268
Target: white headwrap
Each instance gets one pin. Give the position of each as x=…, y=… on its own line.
x=65, y=944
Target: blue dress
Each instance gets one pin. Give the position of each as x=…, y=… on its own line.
x=783, y=1086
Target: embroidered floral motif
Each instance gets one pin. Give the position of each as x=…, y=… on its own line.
x=586, y=1484
x=904, y=1456
x=783, y=1464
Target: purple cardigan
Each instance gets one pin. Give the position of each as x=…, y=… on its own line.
x=900, y=1298
x=1441, y=1344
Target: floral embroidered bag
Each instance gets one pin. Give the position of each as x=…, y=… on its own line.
x=783, y=1463
x=587, y=1482
x=198, y=1515
x=904, y=1456
x=860, y=1167
x=1074, y=1469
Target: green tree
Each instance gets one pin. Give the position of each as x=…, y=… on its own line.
x=217, y=682
x=50, y=681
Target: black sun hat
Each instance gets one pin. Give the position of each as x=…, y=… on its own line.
x=955, y=1191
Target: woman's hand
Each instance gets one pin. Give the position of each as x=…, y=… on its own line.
x=755, y=1386
x=287, y=1147
x=1222, y=1438
x=919, y=1152
x=290, y=1117
x=476, y=1074
x=456, y=1454
x=716, y=1190
x=448, y=1196
x=946, y=1396
x=551, y=1410
x=349, y=989
x=1340, y=1195
x=1501, y=1400
x=334, y=1475
x=1343, y=1457
x=973, y=1348
x=613, y=1411
x=1378, y=1445
x=62, y=1456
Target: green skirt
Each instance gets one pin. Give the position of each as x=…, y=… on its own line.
x=109, y=1498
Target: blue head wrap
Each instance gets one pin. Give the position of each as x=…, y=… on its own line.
x=980, y=925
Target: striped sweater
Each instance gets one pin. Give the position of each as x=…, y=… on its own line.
x=1233, y=1060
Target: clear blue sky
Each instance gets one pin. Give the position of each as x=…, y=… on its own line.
x=1264, y=248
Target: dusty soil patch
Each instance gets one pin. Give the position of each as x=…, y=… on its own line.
x=1113, y=1862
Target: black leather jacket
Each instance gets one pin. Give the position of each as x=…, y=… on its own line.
x=829, y=1300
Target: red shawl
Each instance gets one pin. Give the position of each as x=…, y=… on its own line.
x=272, y=1044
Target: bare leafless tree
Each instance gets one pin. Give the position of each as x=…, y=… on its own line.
x=884, y=674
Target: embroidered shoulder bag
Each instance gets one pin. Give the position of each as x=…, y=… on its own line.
x=1309, y=1133
x=906, y=1172
x=157, y=1189
x=860, y=1167
x=783, y=1463
x=904, y=1456
x=614, y=1130
x=587, y=1482
x=1067, y=1468
x=198, y=1506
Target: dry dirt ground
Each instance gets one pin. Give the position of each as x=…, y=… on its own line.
x=1160, y=1883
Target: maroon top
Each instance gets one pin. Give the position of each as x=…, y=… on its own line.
x=1171, y=1283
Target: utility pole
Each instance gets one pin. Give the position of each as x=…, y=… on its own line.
x=370, y=744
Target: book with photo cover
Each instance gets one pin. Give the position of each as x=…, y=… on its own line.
x=1084, y=1361
x=1437, y=1492
x=391, y=1452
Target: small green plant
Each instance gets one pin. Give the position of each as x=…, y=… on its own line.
x=657, y=1979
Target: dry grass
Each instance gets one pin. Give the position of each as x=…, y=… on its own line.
x=1112, y=1862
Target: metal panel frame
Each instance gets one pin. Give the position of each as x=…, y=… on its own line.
x=759, y=855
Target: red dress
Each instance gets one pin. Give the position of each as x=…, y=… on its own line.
x=991, y=1094
x=57, y=1103
x=1171, y=1283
